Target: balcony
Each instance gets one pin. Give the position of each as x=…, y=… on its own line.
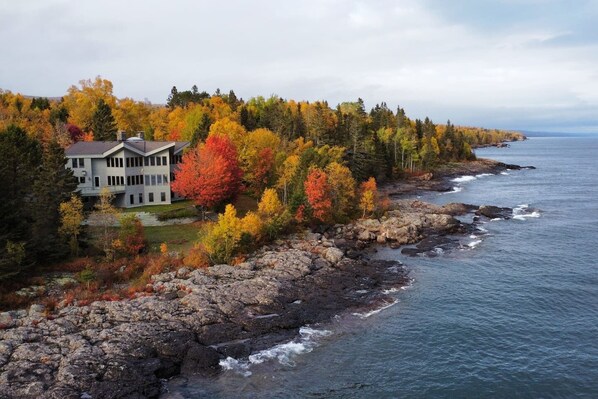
x=95, y=191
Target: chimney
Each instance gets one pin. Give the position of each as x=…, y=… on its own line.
x=141, y=135
x=121, y=135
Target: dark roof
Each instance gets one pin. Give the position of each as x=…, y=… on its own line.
x=90, y=147
x=100, y=147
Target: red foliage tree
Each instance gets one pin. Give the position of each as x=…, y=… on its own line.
x=317, y=191
x=209, y=174
x=262, y=171
x=75, y=133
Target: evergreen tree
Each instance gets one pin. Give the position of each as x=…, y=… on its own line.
x=54, y=185
x=103, y=124
x=201, y=131
x=19, y=165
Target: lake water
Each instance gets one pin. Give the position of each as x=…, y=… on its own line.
x=513, y=315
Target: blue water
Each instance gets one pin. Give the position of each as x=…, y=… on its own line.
x=514, y=317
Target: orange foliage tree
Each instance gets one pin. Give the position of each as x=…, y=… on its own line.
x=209, y=174
x=317, y=191
x=369, y=193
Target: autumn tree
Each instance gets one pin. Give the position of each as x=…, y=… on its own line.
x=209, y=174
x=105, y=217
x=317, y=192
x=273, y=213
x=221, y=239
x=131, y=234
x=103, y=124
x=342, y=190
x=227, y=127
x=82, y=101
x=71, y=217
x=369, y=194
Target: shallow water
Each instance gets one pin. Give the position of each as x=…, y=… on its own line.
x=513, y=314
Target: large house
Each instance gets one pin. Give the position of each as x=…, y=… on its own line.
x=136, y=171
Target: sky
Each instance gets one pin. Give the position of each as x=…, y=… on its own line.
x=514, y=64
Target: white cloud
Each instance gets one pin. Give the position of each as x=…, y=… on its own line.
x=407, y=52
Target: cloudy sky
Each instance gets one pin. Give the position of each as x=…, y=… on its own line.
x=521, y=64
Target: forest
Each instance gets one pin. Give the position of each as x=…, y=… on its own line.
x=303, y=163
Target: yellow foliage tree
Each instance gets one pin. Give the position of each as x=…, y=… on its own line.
x=71, y=217
x=231, y=129
x=369, y=192
x=81, y=101
x=131, y=116
x=342, y=190
x=221, y=239
x=270, y=205
x=287, y=172
x=253, y=225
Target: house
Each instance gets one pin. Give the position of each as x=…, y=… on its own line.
x=136, y=171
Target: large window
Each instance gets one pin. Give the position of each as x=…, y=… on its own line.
x=163, y=197
x=141, y=198
x=81, y=163
x=164, y=161
x=81, y=179
x=150, y=197
x=75, y=163
x=153, y=177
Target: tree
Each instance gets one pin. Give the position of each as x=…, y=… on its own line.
x=131, y=234
x=105, y=217
x=317, y=191
x=19, y=165
x=342, y=190
x=54, y=185
x=103, y=124
x=227, y=127
x=369, y=193
x=222, y=239
x=71, y=217
x=81, y=102
x=289, y=168
x=209, y=174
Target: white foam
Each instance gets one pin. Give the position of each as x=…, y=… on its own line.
x=473, y=236
x=283, y=353
x=463, y=179
x=484, y=175
x=375, y=311
x=505, y=173
x=483, y=230
x=495, y=219
x=474, y=244
x=519, y=212
x=455, y=189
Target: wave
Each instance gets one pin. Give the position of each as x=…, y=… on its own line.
x=375, y=311
x=283, y=353
x=505, y=173
x=474, y=244
x=523, y=211
x=455, y=189
x=484, y=175
x=463, y=179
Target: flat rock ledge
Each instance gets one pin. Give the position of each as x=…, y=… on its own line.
x=124, y=349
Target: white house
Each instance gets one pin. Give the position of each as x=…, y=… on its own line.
x=138, y=172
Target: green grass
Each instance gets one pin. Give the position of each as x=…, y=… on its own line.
x=179, y=237
x=160, y=208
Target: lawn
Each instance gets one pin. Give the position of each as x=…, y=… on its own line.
x=160, y=208
x=178, y=237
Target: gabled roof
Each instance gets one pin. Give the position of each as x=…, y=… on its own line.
x=105, y=148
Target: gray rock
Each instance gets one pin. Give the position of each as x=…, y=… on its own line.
x=333, y=255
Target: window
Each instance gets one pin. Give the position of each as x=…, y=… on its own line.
x=146, y=161
x=153, y=180
x=165, y=178
x=128, y=180
x=153, y=161
x=164, y=162
x=109, y=180
x=163, y=197
x=96, y=181
x=159, y=179
x=147, y=180
x=122, y=178
x=75, y=165
x=141, y=198
x=82, y=180
x=120, y=162
x=132, y=199
x=107, y=162
x=158, y=161
x=81, y=162
x=128, y=162
x=150, y=197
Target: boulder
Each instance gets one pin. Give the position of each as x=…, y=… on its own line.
x=333, y=255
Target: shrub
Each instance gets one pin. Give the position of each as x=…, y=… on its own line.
x=222, y=239
x=197, y=258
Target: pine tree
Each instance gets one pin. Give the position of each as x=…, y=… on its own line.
x=19, y=164
x=54, y=185
x=103, y=124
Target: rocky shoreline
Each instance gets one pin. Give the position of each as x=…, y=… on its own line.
x=194, y=319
